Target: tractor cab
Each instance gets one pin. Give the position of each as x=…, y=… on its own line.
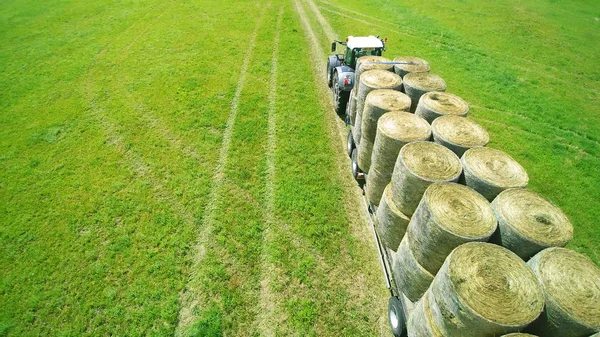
x=341, y=67
x=360, y=46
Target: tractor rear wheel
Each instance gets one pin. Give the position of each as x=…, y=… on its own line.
x=340, y=97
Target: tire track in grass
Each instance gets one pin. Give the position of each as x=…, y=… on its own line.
x=267, y=306
x=331, y=35
x=370, y=288
x=190, y=295
x=554, y=69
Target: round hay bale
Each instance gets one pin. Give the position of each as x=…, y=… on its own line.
x=436, y=104
x=458, y=133
x=571, y=286
x=518, y=334
x=528, y=223
x=420, y=322
x=377, y=103
x=391, y=223
x=418, y=84
x=410, y=277
x=394, y=130
x=370, y=62
x=419, y=165
x=489, y=171
x=372, y=80
x=448, y=215
x=414, y=65
x=484, y=290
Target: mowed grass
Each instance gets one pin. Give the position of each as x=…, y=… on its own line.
x=112, y=130
x=531, y=74
x=113, y=122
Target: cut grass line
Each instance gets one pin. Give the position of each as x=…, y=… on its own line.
x=555, y=69
x=468, y=50
x=190, y=295
x=353, y=203
x=137, y=165
x=266, y=319
x=546, y=124
x=331, y=35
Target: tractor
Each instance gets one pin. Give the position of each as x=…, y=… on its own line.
x=341, y=67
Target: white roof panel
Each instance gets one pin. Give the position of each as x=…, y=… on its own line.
x=364, y=42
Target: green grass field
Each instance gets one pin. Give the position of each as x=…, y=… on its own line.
x=175, y=168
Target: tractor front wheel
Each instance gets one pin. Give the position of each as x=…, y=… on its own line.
x=340, y=97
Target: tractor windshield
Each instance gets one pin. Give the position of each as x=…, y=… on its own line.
x=353, y=55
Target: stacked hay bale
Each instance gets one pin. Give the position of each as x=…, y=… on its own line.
x=410, y=64
x=366, y=63
x=411, y=278
x=377, y=103
x=528, y=223
x=448, y=215
x=371, y=80
x=458, y=133
x=482, y=290
x=391, y=224
x=419, y=165
x=418, y=84
x=394, y=130
x=434, y=104
x=490, y=171
x=571, y=287
x=351, y=107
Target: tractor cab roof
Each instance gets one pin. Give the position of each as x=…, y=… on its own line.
x=364, y=42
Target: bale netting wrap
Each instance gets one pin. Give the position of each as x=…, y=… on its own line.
x=435, y=104
x=410, y=65
x=484, y=290
x=418, y=84
x=571, y=285
x=370, y=62
x=372, y=80
x=448, y=215
x=458, y=133
x=394, y=130
x=391, y=223
x=420, y=322
x=377, y=103
x=489, y=171
x=419, y=165
x=410, y=277
x=528, y=223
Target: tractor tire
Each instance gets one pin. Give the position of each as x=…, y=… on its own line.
x=340, y=97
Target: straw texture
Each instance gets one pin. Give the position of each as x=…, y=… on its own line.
x=377, y=103
x=448, y=215
x=394, y=130
x=571, y=287
x=420, y=322
x=410, y=277
x=458, y=133
x=489, y=171
x=436, y=104
x=528, y=223
x=420, y=164
x=418, y=84
x=484, y=290
x=418, y=65
x=391, y=223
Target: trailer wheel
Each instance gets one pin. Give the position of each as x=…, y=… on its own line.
x=355, y=169
x=340, y=97
x=396, y=317
x=350, y=145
